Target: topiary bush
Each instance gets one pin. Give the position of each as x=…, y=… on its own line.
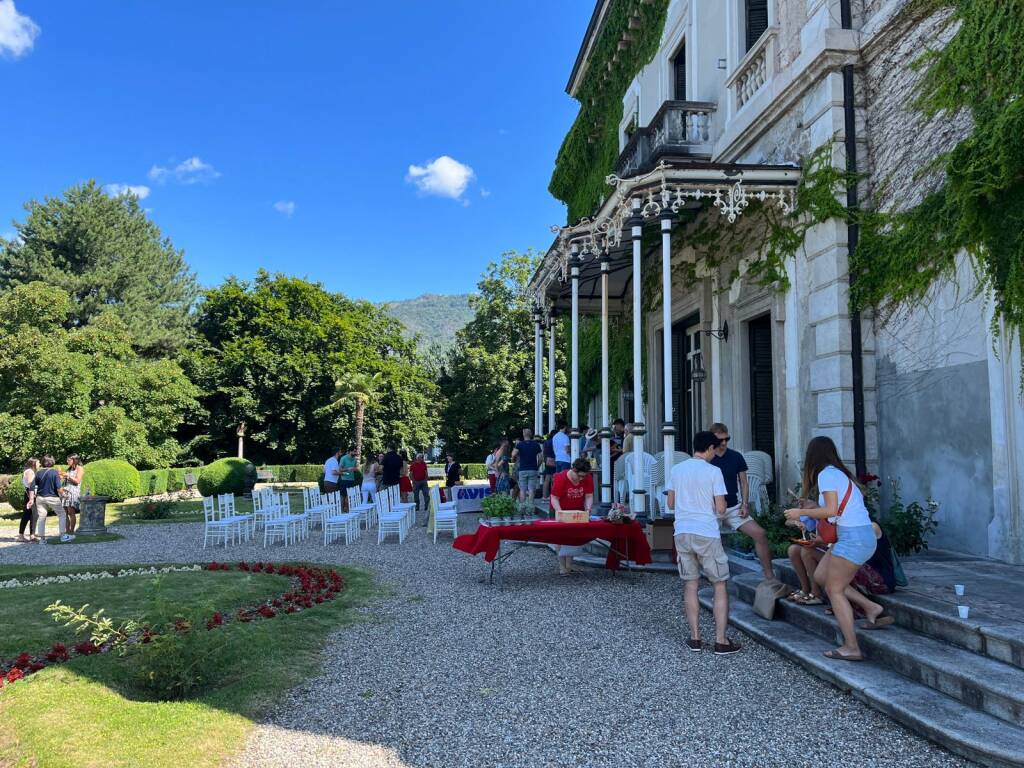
x=153, y=482
x=16, y=495
x=113, y=478
x=229, y=475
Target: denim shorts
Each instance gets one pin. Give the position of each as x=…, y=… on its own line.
x=856, y=543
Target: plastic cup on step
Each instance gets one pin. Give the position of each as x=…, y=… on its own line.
x=959, y=589
x=963, y=610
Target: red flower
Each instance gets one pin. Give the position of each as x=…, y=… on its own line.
x=267, y=612
x=182, y=625
x=36, y=666
x=243, y=566
x=291, y=609
x=15, y=674
x=22, y=661
x=867, y=479
x=86, y=648
x=147, y=635
x=276, y=602
x=58, y=652
x=243, y=616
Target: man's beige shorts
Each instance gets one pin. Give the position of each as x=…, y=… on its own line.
x=700, y=553
x=733, y=519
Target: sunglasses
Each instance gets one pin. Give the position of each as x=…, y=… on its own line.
x=724, y=440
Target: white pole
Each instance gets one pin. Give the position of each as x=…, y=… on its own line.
x=574, y=432
x=538, y=393
x=551, y=368
x=668, y=429
x=638, y=503
x=606, y=417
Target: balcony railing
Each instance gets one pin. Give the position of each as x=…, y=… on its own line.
x=679, y=129
x=754, y=70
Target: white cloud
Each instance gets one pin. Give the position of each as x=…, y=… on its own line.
x=485, y=192
x=18, y=32
x=190, y=171
x=116, y=190
x=287, y=207
x=445, y=177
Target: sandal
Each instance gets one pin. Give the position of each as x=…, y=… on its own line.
x=812, y=600
x=797, y=597
x=842, y=656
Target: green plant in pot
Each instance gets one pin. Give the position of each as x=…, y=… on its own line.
x=498, y=506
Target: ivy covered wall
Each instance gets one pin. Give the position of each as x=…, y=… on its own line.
x=591, y=147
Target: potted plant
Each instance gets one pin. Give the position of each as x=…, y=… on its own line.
x=499, y=508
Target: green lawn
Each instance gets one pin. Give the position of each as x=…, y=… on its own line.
x=87, y=713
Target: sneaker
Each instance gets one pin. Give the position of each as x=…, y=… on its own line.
x=67, y=537
x=726, y=648
x=695, y=645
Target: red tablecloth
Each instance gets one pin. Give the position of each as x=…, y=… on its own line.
x=487, y=538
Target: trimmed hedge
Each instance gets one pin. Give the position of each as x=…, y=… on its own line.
x=16, y=494
x=470, y=471
x=153, y=481
x=176, y=477
x=295, y=473
x=114, y=478
x=230, y=475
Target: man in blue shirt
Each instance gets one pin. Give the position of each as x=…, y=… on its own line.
x=737, y=498
x=526, y=452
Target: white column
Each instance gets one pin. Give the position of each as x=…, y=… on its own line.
x=638, y=501
x=538, y=393
x=551, y=368
x=606, y=416
x=574, y=417
x=668, y=429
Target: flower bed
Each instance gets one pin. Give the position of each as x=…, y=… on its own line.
x=310, y=587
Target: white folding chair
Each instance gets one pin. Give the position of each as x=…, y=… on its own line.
x=408, y=508
x=389, y=521
x=357, y=506
x=216, y=528
x=446, y=516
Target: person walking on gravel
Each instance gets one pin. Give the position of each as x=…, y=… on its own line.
x=697, y=496
x=46, y=487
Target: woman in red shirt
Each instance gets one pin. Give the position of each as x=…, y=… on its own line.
x=572, y=489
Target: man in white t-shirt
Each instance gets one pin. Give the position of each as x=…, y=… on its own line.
x=697, y=497
x=332, y=472
x=562, y=444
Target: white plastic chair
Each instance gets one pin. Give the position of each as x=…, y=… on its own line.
x=338, y=523
x=358, y=506
x=760, y=473
x=408, y=508
x=215, y=527
x=389, y=521
x=446, y=515
x=647, y=466
x=658, y=474
x=315, y=506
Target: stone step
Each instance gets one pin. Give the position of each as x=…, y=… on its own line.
x=975, y=735
x=983, y=633
x=978, y=681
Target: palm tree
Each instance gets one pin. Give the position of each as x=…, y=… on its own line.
x=359, y=388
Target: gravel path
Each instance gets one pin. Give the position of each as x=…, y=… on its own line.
x=584, y=671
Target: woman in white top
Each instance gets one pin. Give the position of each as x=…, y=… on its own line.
x=369, y=486
x=840, y=501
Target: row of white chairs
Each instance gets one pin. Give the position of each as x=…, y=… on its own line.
x=272, y=512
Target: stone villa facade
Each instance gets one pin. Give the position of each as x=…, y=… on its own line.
x=927, y=398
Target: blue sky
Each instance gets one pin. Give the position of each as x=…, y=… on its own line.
x=302, y=136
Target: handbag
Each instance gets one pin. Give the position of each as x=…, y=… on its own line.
x=767, y=595
x=827, y=530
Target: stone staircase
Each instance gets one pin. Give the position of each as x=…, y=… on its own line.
x=958, y=682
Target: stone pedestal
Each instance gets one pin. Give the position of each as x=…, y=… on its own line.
x=92, y=515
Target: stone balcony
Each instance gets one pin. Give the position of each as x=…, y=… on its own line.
x=680, y=129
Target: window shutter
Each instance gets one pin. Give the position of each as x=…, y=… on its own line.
x=757, y=20
x=761, y=383
x=679, y=64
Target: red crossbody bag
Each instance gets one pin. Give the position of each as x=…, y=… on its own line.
x=826, y=530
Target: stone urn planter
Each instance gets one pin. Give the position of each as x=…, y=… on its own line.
x=92, y=515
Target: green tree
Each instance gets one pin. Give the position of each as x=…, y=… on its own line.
x=109, y=257
x=269, y=353
x=486, y=380
x=85, y=390
x=357, y=388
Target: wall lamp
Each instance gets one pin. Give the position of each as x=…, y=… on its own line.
x=719, y=333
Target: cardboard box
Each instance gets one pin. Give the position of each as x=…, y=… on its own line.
x=659, y=534
x=572, y=516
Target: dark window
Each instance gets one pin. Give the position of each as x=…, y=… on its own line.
x=757, y=20
x=679, y=69
x=687, y=394
x=762, y=413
